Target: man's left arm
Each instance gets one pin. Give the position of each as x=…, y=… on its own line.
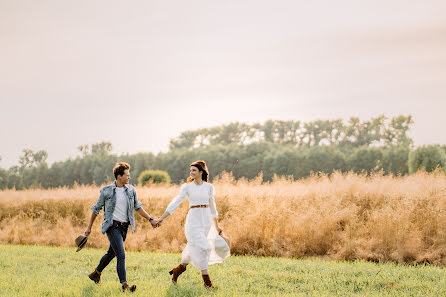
x=144, y=214
x=141, y=211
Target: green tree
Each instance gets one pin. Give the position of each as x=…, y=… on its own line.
x=55, y=175
x=356, y=133
x=395, y=160
x=30, y=158
x=15, y=178
x=325, y=159
x=396, y=134
x=428, y=157
x=367, y=159
x=84, y=149
x=101, y=148
x=185, y=140
x=285, y=161
x=35, y=176
x=4, y=177
x=139, y=162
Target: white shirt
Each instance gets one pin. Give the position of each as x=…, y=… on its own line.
x=122, y=207
x=198, y=195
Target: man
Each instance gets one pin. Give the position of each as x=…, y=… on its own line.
x=119, y=200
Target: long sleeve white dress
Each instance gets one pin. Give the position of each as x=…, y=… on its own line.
x=204, y=246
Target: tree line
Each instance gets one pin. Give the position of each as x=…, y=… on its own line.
x=270, y=156
x=379, y=131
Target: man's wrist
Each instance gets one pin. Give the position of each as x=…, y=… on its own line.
x=151, y=219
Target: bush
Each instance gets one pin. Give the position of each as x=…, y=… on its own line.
x=154, y=176
x=428, y=157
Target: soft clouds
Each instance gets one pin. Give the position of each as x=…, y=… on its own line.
x=69, y=70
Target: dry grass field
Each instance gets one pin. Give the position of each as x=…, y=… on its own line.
x=344, y=216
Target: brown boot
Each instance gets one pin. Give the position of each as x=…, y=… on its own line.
x=207, y=281
x=95, y=276
x=177, y=271
x=126, y=287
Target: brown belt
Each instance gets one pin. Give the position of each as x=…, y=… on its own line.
x=199, y=206
x=118, y=223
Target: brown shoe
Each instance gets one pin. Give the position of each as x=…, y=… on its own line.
x=95, y=276
x=177, y=271
x=126, y=287
x=207, y=281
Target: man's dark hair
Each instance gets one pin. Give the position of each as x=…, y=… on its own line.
x=119, y=168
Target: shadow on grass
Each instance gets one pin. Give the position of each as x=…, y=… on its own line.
x=177, y=290
x=88, y=290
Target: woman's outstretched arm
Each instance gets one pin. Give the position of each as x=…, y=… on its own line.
x=174, y=203
x=161, y=218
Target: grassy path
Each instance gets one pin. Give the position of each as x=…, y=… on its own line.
x=50, y=271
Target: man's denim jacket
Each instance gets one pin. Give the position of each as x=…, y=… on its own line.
x=107, y=199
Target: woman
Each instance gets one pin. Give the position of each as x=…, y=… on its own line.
x=203, y=246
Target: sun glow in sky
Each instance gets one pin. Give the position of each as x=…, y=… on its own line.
x=139, y=73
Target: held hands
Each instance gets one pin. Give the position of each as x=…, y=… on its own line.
x=154, y=223
x=159, y=221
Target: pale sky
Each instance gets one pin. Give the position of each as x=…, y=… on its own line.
x=138, y=73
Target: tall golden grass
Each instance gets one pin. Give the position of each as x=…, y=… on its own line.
x=344, y=216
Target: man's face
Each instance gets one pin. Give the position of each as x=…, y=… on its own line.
x=125, y=178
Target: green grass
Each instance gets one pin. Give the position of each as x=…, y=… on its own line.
x=51, y=271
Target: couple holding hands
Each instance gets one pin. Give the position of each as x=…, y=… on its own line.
x=204, y=245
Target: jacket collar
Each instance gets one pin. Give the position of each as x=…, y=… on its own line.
x=114, y=186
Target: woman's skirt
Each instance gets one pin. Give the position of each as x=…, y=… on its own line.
x=204, y=246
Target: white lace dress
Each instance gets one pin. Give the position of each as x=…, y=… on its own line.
x=204, y=245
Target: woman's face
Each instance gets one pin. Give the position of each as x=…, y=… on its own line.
x=194, y=172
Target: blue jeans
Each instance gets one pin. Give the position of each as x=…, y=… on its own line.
x=116, y=235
